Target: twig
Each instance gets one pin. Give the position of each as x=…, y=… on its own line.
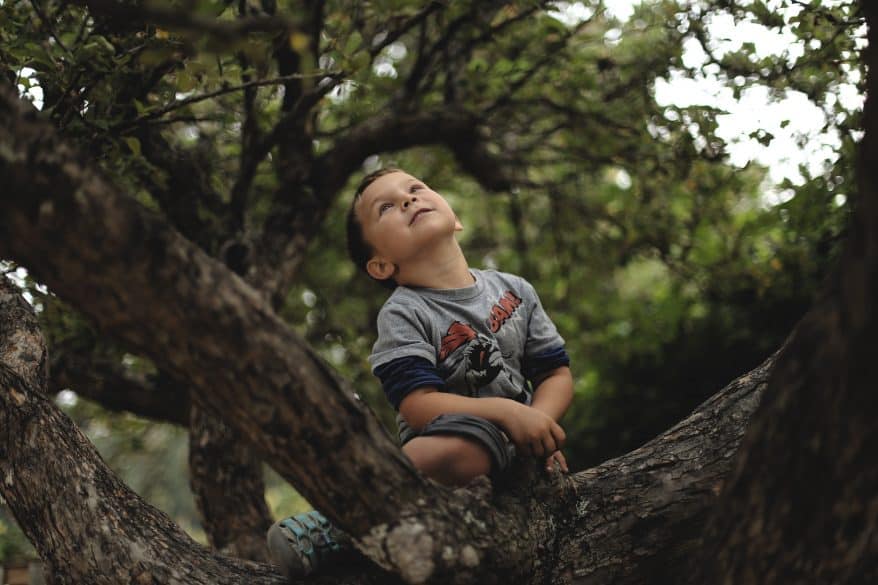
x=176, y=105
x=48, y=22
x=188, y=119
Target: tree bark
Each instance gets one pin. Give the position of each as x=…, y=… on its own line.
x=637, y=519
x=224, y=473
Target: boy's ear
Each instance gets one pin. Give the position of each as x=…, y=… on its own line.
x=379, y=268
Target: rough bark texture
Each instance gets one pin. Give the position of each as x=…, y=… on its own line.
x=636, y=518
x=225, y=474
x=802, y=503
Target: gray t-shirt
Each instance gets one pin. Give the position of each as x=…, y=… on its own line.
x=478, y=337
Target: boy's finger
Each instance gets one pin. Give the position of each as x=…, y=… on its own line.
x=562, y=461
x=558, y=435
x=538, y=449
x=555, y=461
x=549, y=446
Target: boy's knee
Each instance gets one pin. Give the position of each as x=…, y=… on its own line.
x=448, y=459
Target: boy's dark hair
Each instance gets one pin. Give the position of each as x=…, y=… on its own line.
x=358, y=248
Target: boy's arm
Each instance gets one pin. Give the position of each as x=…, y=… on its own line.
x=532, y=430
x=554, y=393
x=553, y=396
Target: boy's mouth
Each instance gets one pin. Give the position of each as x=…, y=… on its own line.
x=418, y=213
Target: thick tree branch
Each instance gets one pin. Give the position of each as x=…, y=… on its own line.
x=158, y=292
x=145, y=285
x=456, y=129
x=226, y=480
x=636, y=519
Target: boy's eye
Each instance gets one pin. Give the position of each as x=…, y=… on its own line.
x=384, y=207
x=414, y=188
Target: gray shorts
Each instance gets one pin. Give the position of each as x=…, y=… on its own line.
x=480, y=430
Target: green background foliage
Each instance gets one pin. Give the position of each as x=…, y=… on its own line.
x=665, y=268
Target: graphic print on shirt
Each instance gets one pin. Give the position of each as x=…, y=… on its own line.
x=473, y=359
x=503, y=310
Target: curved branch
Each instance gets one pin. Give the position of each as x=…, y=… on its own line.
x=457, y=129
x=299, y=209
x=145, y=285
x=116, y=388
x=637, y=518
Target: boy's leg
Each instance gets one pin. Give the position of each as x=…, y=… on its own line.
x=448, y=459
x=454, y=449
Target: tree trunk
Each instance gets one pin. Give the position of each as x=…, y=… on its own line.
x=228, y=487
x=802, y=503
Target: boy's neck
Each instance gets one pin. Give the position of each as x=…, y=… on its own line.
x=445, y=268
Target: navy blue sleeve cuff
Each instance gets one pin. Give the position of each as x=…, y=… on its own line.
x=536, y=367
x=402, y=375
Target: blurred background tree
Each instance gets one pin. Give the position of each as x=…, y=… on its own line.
x=668, y=269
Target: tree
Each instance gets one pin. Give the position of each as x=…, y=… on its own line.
x=148, y=281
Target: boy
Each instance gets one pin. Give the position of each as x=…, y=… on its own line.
x=458, y=350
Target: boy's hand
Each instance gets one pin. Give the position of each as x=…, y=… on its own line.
x=556, y=458
x=533, y=432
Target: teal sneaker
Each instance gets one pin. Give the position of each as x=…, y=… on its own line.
x=299, y=545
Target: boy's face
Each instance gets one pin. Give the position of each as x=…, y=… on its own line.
x=401, y=217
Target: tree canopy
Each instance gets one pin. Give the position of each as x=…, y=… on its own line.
x=202, y=138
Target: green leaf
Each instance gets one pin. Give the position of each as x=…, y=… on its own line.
x=133, y=144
